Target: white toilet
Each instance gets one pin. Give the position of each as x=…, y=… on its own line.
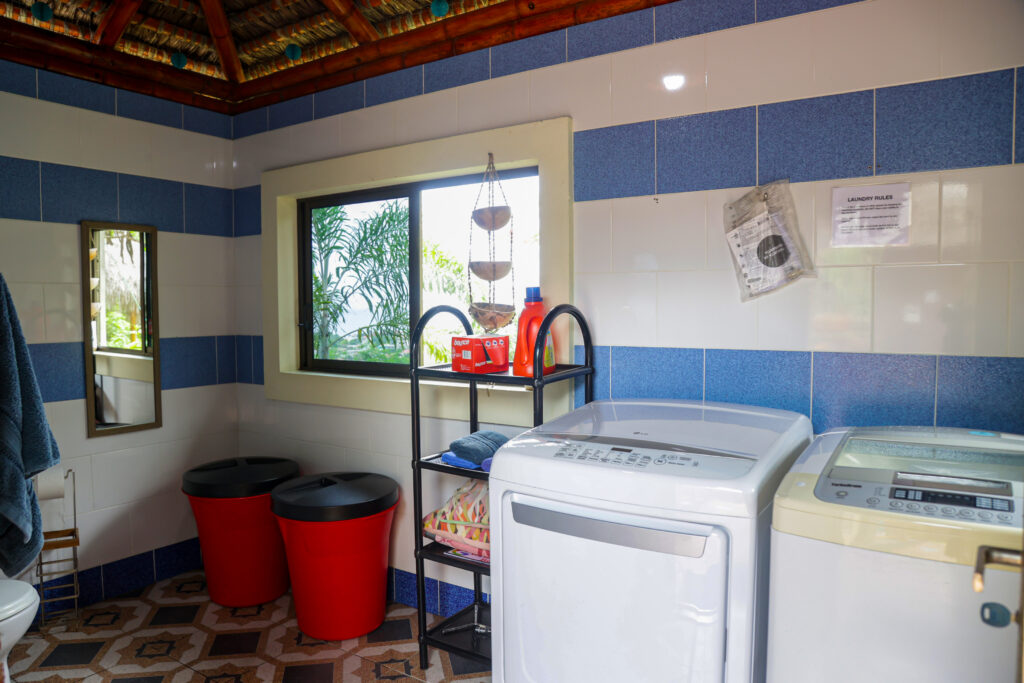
x=18, y=602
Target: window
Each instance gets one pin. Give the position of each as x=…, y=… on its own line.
x=370, y=261
x=119, y=293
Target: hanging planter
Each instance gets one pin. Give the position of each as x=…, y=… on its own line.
x=492, y=217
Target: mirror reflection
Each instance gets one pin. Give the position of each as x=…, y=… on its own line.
x=120, y=325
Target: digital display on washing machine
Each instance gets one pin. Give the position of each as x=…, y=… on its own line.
x=943, y=498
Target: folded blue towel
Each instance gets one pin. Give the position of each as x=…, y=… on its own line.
x=478, y=446
x=449, y=458
x=486, y=464
x=27, y=446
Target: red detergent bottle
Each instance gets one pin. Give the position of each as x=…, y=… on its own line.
x=530, y=319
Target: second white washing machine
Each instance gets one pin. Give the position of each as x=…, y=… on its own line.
x=630, y=542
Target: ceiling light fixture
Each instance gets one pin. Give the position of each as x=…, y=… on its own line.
x=674, y=81
x=439, y=8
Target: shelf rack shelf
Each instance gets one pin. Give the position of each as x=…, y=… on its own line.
x=469, y=641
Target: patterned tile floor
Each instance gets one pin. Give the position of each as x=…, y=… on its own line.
x=172, y=633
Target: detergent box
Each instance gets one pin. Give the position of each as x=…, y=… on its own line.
x=480, y=353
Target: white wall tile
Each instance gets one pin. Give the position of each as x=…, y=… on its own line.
x=829, y=312
x=63, y=312
x=426, y=117
x=248, y=310
x=620, y=307
x=905, y=42
x=981, y=216
x=106, y=536
x=190, y=311
x=196, y=259
x=663, y=232
x=702, y=308
x=31, y=310
x=1016, y=309
x=981, y=35
x=365, y=129
x=942, y=309
x=134, y=473
x=39, y=252
x=761, y=63
x=718, y=257
x=160, y=521
x=581, y=89
x=494, y=103
x=592, y=236
x=638, y=91
x=247, y=260
x=924, y=224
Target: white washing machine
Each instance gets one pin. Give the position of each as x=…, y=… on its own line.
x=631, y=542
x=874, y=540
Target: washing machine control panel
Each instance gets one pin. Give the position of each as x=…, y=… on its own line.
x=923, y=502
x=669, y=460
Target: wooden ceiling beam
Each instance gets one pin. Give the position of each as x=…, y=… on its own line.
x=217, y=21
x=361, y=30
x=115, y=20
x=47, y=50
x=493, y=25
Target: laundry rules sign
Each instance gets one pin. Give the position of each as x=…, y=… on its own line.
x=871, y=215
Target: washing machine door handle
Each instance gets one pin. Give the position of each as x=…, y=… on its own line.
x=987, y=555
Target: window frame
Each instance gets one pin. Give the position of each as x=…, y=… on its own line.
x=412, y=191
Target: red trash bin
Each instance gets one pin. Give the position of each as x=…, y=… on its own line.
x=336, y=529
x=243, y=554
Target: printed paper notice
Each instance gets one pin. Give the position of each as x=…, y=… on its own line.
x=870, y=215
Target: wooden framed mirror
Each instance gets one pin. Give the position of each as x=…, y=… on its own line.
x=119, y=323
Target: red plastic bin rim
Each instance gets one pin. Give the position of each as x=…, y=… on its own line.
x=334, y=496
x=238, y=477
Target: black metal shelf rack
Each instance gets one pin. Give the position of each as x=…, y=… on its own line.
x=468, y=642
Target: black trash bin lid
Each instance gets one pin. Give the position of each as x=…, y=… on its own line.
x=238, y=477
x=334, y=496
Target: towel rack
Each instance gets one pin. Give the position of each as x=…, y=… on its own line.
x=50, y=572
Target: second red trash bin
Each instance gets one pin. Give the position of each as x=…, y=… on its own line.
x=336, y=529
x=243, y=555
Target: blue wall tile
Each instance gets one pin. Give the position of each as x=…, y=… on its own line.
x=208, y=210
x=339, y=100
x=1019, y=155
x=178, y=558
x=707, y=151
x=773, y=9
x=816, y=139
x=405, y=591
x=621, y=32
x=19, y=188
x=693, y=17
x=55, y=87
x=459, y=70
x=657, y=372
x=602, y=373
x=133, y=105
x=250, y=123
x=453, y=598
x=248, y=215
x=151, y=201
x=243, y=358
x=226, y=361
x=291, y=112
x=872, y=389
x=950, y=123
x=617, y=161
x=90, y=586
x=534, y=52
x=72, y=194
x=981, y=393
x=257, y=359
x=60, y=370
x=773, y=379
x=17, y=78
x=208, y=122
x=396, y=85
x=128, y=575
x=187, y=362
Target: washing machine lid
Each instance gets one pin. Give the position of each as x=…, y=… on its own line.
x=923, y=492
x=713, y=457
x=16, y=596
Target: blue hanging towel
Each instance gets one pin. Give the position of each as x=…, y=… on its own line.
x=478, y=446
x=27, y=446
